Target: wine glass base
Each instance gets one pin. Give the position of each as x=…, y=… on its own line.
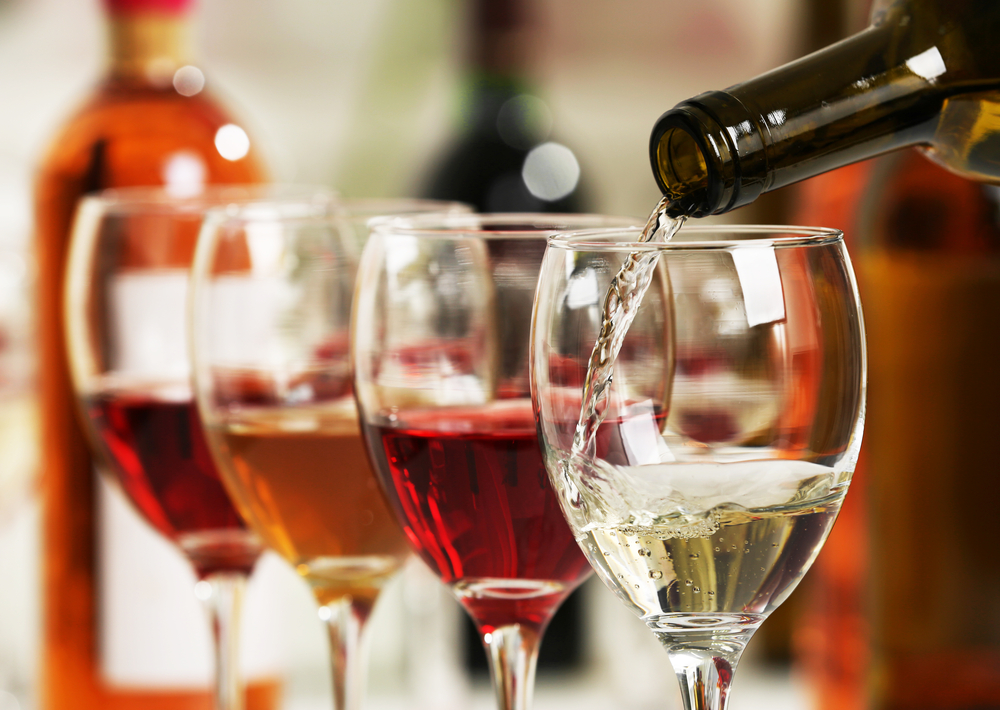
x=687, y=637
x=695, y=623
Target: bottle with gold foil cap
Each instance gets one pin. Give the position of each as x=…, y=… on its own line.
x=149, y=121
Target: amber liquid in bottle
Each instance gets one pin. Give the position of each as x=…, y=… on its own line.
x=135, y=129
x=909, y=575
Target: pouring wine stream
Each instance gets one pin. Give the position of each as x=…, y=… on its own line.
x=620, y=306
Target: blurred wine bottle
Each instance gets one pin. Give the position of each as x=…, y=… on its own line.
x=149, y=121
x=909, y=581
x=832, y=639
x=504, y=160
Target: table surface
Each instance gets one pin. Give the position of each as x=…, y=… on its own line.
x=757, y=689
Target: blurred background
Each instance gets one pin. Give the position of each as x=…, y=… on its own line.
x=365, y=97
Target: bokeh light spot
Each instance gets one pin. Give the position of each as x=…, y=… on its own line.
x=189, y=80
x=232, y=142
x=184, y=174
x=550, y=171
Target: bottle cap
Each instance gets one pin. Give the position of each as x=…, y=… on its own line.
x=162, y=7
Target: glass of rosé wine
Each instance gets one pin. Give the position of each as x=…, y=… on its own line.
x=271, y=308
x=700, y=403
x=126, y=331
x=440, y=345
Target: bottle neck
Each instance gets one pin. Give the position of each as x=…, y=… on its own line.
x=500, y=38
x=147, y=48
x=850, y=101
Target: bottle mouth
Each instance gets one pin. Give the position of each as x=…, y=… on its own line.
x=699, y=160
x=680, y=168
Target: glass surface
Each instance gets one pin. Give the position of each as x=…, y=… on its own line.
x=125, y=306
x=440, y=345
x=725, y=442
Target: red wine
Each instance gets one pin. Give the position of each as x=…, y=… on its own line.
x=158, y=453
x=471, y=489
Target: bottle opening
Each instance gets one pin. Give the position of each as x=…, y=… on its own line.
x=683, y=170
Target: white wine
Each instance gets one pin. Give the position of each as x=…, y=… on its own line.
x=681, y=565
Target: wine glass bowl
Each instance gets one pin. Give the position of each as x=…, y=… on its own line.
x=727, y=437
x=440, y=346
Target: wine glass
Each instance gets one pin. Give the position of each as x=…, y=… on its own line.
x=127, y=280
x=718, y=457
x=440, y=347
x=271, y=312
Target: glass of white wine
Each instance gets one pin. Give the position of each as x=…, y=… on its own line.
x=711, y=462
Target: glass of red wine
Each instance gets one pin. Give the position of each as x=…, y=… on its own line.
x=440, y=345
x=126, y=331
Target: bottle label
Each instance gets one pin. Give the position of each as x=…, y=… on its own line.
x=154, y=631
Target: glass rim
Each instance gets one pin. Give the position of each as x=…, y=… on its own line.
x=376, y=207
x=476, y=224
x=754, y=237
x=158, y=199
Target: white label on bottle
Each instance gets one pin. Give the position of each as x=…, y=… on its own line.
x=154, y=632
x=148, y=311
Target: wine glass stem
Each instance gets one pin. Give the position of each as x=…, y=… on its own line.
x=704, y=682
x=513, y=653
x=224, y=605
x=705, y=666
x=345, y=621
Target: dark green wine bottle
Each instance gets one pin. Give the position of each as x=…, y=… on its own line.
x=504, y=160
x=925, y=73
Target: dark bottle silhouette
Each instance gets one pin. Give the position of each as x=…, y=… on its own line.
x=503, y=159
